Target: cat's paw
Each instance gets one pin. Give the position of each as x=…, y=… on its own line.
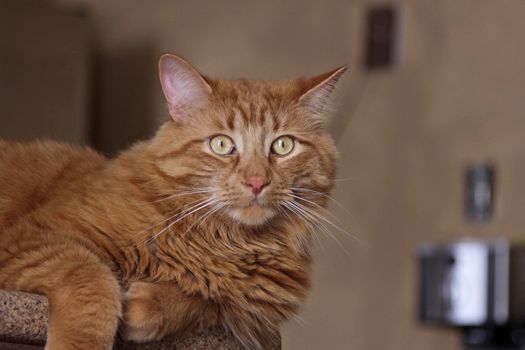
x=143, y=314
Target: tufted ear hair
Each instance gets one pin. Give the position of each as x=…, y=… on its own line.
x=184, y=88
x=318, y=91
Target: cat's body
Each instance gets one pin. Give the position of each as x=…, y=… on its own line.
x=154, y=237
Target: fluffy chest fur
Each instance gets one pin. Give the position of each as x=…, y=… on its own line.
x=227, y=265
x=263, y=269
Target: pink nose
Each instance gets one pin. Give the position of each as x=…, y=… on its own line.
x=256, y=183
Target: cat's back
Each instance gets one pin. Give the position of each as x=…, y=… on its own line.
x=33, y=173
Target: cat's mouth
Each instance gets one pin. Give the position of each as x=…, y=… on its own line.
x=255, y=202
x=254, y=213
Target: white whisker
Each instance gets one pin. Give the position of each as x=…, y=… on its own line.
x=282, y=209
x=320, y=217
x=318, y=206
x=183, y=193
x=315, y=218
x=324, y=195
x=299, y=320
x=172, y=216
x=214, y=209
x=347, y=179
x=307, y=220
x=201, y=205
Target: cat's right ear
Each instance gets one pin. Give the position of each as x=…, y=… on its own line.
x=184, y=88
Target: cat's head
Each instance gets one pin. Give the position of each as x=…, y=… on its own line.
x=254, y=150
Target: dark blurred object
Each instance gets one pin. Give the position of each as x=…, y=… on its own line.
x=381, y=37
x=124, y=109
x=478, y=287
x=44, y=72
x=479, y=192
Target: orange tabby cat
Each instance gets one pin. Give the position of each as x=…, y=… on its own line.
x=208, y=224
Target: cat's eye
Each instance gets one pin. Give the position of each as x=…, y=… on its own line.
x=222, y=145
x=283, y=145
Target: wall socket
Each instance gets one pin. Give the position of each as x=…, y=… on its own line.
x=479, y=191
x=382, y=37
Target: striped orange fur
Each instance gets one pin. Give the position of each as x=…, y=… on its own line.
x=169, y=236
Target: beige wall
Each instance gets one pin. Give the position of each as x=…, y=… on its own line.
x=405, y=135
x=458, y=97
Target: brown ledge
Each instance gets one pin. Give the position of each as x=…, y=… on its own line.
x=23, y=325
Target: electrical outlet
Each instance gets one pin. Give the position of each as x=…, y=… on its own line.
x=479, y=191
x=382, y=37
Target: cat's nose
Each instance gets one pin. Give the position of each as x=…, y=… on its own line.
x=256, y=184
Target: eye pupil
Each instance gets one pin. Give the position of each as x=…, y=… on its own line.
x=283, y=145
x=222, y=145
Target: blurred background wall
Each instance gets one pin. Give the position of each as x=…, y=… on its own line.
x=405, y=133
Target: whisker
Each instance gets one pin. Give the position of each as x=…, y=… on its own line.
x=201, y=205
x=314, y=224
x=179, y=219
x=320, y=217
x=299, y=320
x=217, y=207
x=282, y=209
x=183, y=193
x=320, y=226
x=318, y=206
x=326, y=196
x=172, y=216
x=347, y=179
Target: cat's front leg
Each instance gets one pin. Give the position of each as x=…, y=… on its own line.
x=154, y=310
x=85, y=306
x=83, y=293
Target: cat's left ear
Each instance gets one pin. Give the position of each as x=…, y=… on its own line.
x=184, y=88
x=317, y=95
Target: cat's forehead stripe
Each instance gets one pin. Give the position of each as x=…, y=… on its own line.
x=230, y=120
x=266, y=107
x=259, y=117
x=276, y=122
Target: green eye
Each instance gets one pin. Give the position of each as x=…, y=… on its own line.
x=222, y=145
x=283, y=145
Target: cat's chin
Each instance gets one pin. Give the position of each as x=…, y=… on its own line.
x=251, y=215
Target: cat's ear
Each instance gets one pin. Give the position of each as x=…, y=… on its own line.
x=317, y=93
x=184, y=88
